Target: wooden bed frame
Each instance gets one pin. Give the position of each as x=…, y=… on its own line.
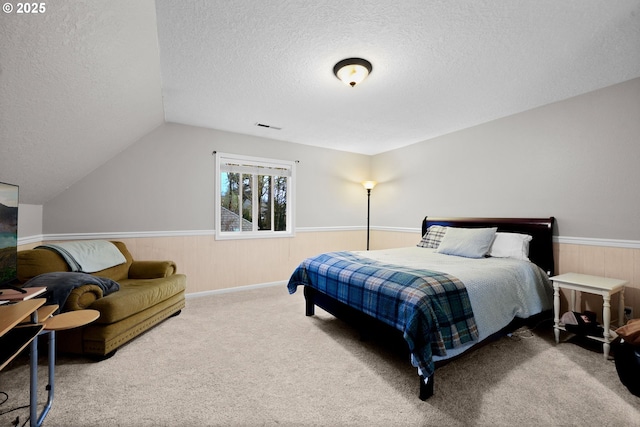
x=540, y=252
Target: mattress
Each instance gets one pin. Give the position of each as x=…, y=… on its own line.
x=500, y=289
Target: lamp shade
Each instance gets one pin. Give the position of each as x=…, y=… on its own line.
x=368, y=185
x=352, y=71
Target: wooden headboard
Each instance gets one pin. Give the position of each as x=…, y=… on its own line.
x=540, y=229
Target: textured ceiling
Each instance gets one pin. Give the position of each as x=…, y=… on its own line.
x=438, y=65
x=86, y=79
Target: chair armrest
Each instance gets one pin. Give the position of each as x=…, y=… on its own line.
x=82, y=297
x=151, y=269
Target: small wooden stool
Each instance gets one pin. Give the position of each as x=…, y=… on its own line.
x=68, y=320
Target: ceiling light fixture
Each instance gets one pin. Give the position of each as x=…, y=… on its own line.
x=352, y=71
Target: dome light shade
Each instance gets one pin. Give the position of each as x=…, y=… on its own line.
x=352, y=71
x=368, y=185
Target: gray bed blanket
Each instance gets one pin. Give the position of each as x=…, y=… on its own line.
x=87, y=256
x=60, y=284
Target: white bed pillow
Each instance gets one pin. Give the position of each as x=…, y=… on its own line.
x=467, y=242
x=511, y=245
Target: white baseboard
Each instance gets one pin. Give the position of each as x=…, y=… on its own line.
x=235, y=289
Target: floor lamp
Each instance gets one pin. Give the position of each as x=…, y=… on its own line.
x=368, y=185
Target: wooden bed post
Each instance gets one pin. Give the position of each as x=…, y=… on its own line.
x=310, y=308
x=426, y=388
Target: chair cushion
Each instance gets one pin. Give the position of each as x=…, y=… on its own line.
x=136, y=295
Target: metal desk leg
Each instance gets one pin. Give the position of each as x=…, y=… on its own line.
x=33, y=383
x=33, y=375
x=50, y=386
x=34, y=419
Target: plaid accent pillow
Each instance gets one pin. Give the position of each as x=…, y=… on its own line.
x=432, y=237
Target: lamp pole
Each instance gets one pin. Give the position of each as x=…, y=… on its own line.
x=368, y=213
x=368, y=185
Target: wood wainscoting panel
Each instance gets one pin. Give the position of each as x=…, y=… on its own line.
x=381, y=239
x=221, y=264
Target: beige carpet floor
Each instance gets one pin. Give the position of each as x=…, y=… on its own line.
x=253, y=358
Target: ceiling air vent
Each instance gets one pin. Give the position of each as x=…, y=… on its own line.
x=262, y=125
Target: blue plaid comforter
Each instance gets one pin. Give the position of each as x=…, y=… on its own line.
x=432, y=309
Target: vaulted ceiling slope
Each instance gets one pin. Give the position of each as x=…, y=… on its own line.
x=86, y=79
x=79, y=83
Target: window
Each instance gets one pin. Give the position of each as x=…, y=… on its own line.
x=254, y=197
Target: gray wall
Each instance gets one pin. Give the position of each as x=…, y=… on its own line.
x=29, y=220
x=577, y=160
x=165, y=182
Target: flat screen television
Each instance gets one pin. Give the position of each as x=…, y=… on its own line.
x=8, y=234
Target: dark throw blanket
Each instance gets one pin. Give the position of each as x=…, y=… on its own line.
x=60, y=284
x=431, y=308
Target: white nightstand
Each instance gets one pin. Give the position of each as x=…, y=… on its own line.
x=593, y=285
